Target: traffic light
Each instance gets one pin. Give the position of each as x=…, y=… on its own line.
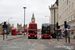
x=58, y=27
x=57, y=24
x=4, y=26
x=65, y=24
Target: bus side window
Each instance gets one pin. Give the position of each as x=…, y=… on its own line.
x=30, y=25
x=34, y=25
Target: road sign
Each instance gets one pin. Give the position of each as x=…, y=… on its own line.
x=7, y=28
x=68, y=26
x=20, y=29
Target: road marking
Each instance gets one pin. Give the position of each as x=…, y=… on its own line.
x=51, y=39
x=28, y=42
x=39, y=43
x=61, y=45
x=35, y=41
x=25, y=39
x=42, y=40
x=1, y=40
x=12, y=44
x=34, y=44
x=51, y=43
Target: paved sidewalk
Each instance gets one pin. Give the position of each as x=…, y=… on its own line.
x=62, y=41
x=10, y=37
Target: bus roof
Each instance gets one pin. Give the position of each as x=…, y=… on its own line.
x=13, y=28
x=45, y=23
x=32, y=23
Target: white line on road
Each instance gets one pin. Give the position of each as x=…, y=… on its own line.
x=12, y=44
x=34, y=44
x=62, y=46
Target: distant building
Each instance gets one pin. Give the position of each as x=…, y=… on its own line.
x=25, y=27
x=19, y=26
x=33, y=18
x=12, y=25
x=64, y=12
x=1, y=29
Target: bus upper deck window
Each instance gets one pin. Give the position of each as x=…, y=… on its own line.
x=34, y=25
x=31, y=25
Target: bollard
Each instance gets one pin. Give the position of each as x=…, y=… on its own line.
x=68, y=39
x=3, y=36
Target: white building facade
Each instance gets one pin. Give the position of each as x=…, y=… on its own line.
x=65, y=12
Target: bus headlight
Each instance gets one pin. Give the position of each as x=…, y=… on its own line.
x=28, y=35
x=35, y=35
x=42, y=35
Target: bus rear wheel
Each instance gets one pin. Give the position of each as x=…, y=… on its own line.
x=28, y=37
x=36, y=38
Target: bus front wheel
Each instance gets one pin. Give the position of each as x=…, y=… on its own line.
x=28, y=37
x=36, y=38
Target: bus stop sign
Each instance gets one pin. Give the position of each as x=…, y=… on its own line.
x=68, y=26
x=7, y=28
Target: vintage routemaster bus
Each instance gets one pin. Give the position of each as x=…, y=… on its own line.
x=32, y=30
x=45, y=31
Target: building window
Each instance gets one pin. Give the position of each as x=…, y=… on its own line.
x=67, y=2
x=72, y=6
x=69, y=8
x=72, y=17
x=69, y=18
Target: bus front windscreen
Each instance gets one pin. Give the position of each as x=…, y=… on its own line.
x=32, y=31
x=46, y=29
x=45, y=32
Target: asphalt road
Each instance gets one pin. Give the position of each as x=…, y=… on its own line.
x=32, y=44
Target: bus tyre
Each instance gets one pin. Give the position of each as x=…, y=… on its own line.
x=28, y=38
x=36, y=38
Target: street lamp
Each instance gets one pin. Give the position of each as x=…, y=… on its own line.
x=8, y=20
x=49, y=18
x=8, y=26
x=24, y=18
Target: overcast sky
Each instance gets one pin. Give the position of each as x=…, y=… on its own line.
x=14, y=9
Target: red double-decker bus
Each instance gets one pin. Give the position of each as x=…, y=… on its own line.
x=45, y=31
x=14, y=31
x=32, y=30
